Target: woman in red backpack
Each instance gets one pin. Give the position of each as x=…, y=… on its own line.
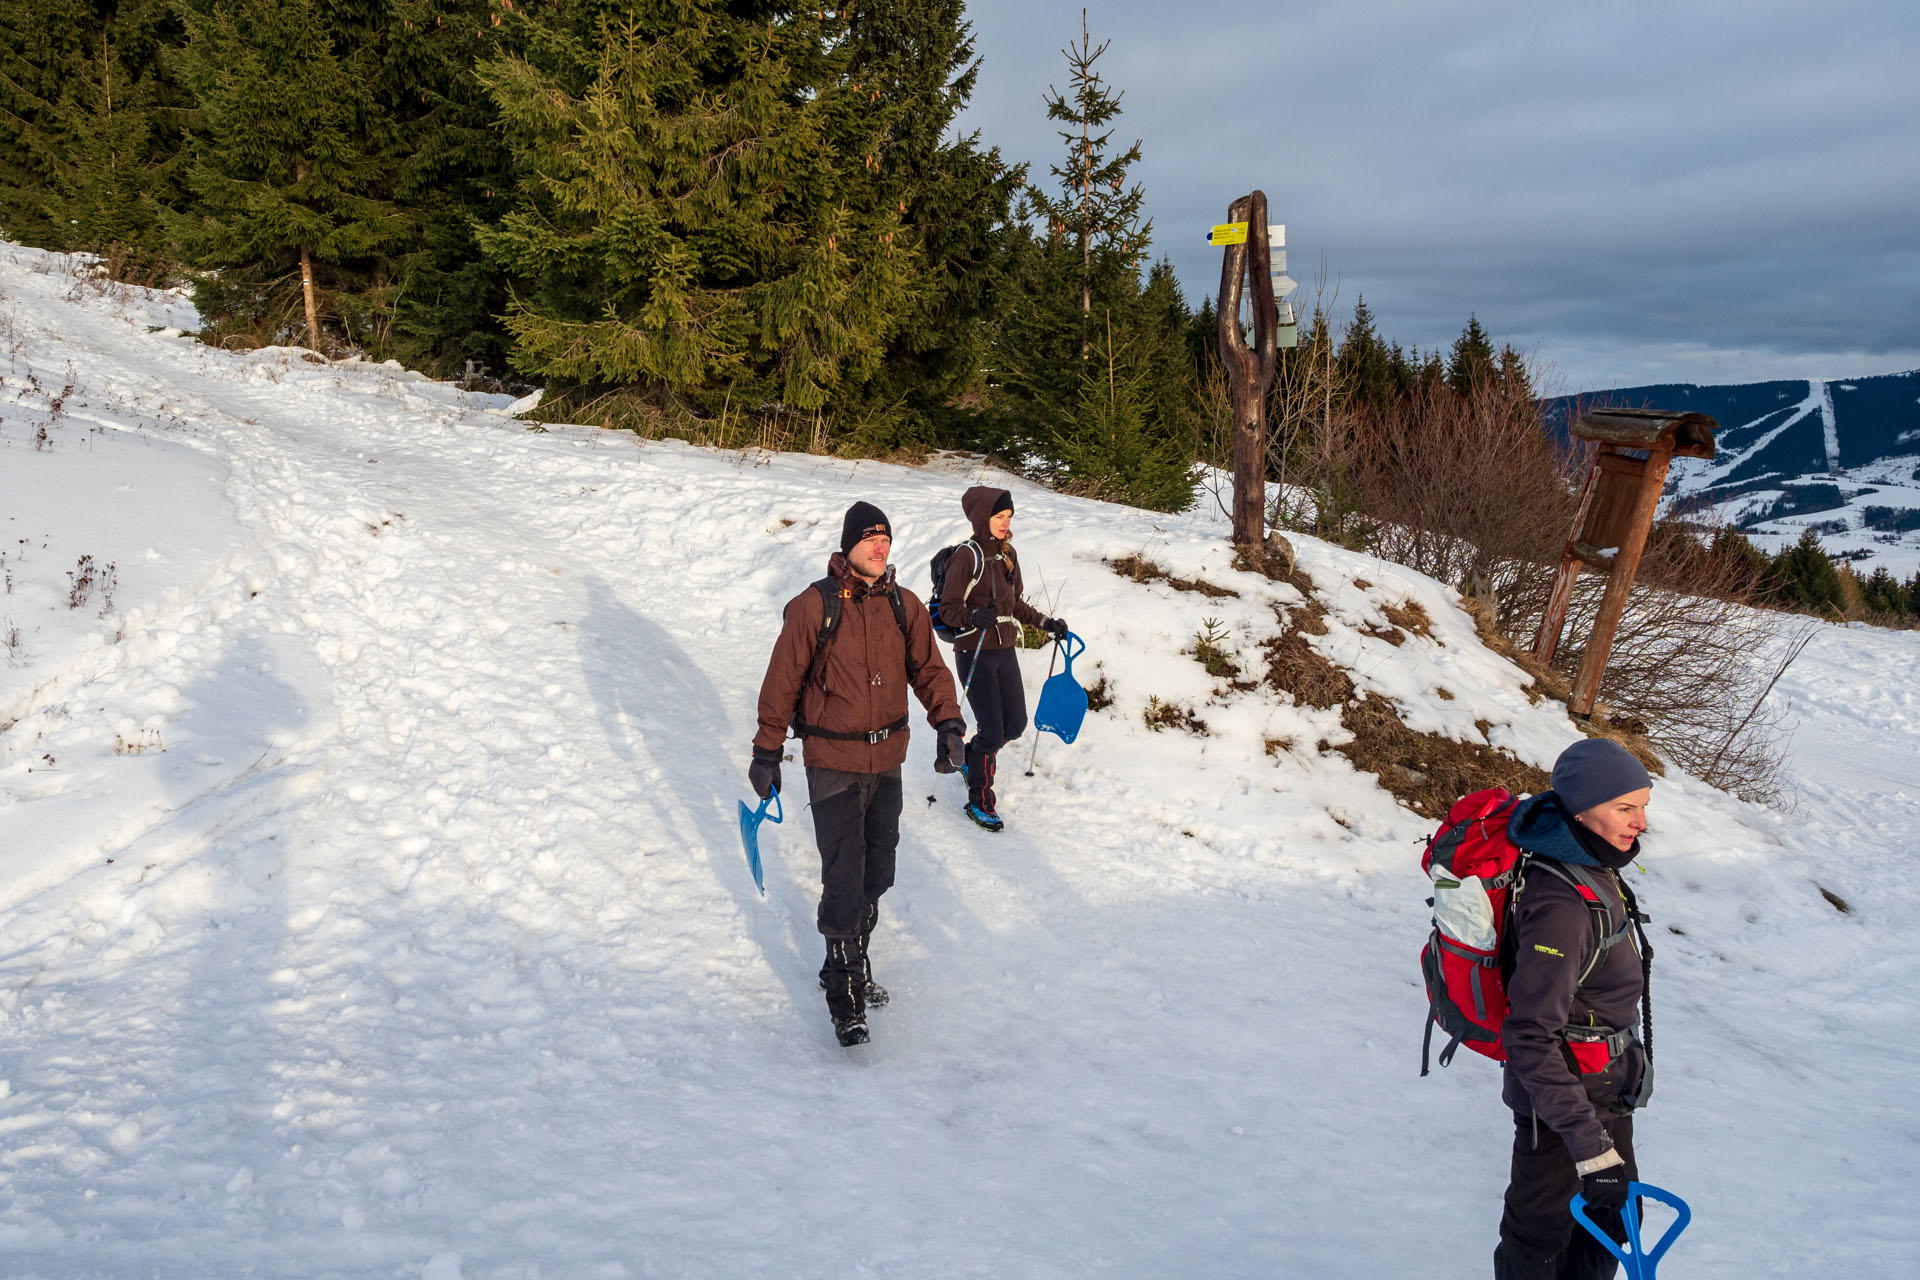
x=1577, y=1064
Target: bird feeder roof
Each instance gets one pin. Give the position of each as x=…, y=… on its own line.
x=1685, y=435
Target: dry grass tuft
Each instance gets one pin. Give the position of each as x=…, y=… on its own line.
x=1141, y=569
x=1293, y=666
x=1274, y=559
x=1411, y=616
x=1425, y=771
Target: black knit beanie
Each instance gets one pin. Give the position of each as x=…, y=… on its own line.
x=1003, y=503
x=862, y=519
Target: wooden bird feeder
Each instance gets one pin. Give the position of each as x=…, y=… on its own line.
x=1617, y=505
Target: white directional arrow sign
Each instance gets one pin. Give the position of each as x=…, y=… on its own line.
x=1284, y=285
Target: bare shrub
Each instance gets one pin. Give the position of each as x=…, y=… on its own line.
x=1471, y=490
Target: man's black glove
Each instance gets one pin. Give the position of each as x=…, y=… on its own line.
x=984, y=618
x=951, y=754
x=764, y=772
x=1055, y=627
x=1606, y=1188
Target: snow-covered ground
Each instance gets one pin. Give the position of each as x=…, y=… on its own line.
x=371, y=902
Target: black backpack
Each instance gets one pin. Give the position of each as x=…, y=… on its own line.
x=953, y=630
x=830, y=598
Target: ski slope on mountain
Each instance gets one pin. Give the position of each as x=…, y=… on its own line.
x=371, y=902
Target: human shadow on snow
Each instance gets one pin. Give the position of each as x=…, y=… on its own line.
x=661, y=714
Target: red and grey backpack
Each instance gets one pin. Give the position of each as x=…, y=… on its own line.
x=1476, y=871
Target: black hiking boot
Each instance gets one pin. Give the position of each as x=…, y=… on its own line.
x=873, y=995
x=841, y=978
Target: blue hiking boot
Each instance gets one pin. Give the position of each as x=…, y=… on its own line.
x=985, y=817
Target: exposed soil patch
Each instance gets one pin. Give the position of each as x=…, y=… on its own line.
x=1425, y=771
x=1141, y=569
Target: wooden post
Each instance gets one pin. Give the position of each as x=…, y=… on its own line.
x=1618, y=501
x=1626, y=563
x=1547, y=639
x=1249, y=370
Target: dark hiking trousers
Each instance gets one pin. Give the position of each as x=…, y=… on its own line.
x=1539, y=1240
x=856, y=822
x=999, y=703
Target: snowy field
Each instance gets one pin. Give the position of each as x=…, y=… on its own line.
x=371, y=902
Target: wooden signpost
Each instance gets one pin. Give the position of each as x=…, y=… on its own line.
x=1249, y=369
x=1610, y=526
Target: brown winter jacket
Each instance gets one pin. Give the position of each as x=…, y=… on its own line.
x=862, y=684
x=1000, y=588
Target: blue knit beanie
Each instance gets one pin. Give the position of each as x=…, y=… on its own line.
x=1594, y=771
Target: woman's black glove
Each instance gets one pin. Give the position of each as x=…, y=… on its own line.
x=1055, y=627
x=1606, y=1188
x=764, y=772
x=984, y=618
x=951, y=754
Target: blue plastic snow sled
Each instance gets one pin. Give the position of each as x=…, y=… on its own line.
x=1063, y=703
x=1639, y=1262
x=750, y=820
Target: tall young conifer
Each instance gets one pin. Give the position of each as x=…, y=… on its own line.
x=696, y=211
x=1095, y=384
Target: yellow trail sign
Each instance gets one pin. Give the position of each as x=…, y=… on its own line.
x=1226, y=233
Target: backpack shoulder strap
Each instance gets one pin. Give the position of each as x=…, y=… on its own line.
x=906, y=636
x=829, y=620
x=1587, y=885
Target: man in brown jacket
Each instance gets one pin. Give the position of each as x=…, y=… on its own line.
x=983, y=592
x=842, y=689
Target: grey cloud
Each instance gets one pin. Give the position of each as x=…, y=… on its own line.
x=1617, y=188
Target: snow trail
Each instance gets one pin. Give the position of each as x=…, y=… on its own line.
x=426, y=932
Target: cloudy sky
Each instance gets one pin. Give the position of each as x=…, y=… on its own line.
x=1636, y=192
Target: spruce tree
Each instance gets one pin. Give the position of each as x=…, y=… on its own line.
x=1471, y=359
x=1806, y=579
x=451, y=171
x=90, y=126
x=916, y=59
x=292, y=160
x=42, y=50
x=1365, y=365
x=1115, y=445
x=1089, y=358
x=696, y=212
x=1095, y=208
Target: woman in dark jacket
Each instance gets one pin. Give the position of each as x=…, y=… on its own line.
x=984, y=587
x=1576, y=1066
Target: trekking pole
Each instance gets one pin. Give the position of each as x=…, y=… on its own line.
x=967, y=687
x=973, y=667
x=1036, y=733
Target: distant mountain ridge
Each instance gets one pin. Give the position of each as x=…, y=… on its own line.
x=1841, y=455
